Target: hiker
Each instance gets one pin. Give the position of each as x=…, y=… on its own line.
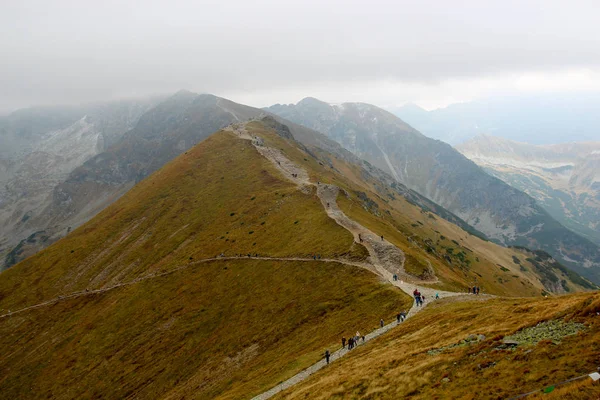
x=382, y=238
x=343, y=342
x=314, y=257
x=381, y=322
x=402, y=316
x=360, y=238
x=363, y=338
x=477, y=289
x=327, y=205
x=350, y=343
x=356, y=337
x=327, y=356
x=474, y=289
x=437, y=296
x=398, y=316
x=417, y=295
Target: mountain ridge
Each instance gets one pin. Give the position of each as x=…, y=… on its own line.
x=437, y=171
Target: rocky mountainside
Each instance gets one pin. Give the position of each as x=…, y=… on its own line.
x=542, y=119
x=39, y=148
x=437, y=171
x=563, y=178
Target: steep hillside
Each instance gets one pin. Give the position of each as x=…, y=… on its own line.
x=440, y=173
x=493, y=349
x=563, y=178
x=38, y=150
x=141, y=305
x=222, y=274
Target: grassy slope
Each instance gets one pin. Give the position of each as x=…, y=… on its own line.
x=397, y=365
x=204, y=330
x=221, y=196
x=484, y=263
x=490, y=266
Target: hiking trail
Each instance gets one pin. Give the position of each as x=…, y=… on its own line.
x=385, y=258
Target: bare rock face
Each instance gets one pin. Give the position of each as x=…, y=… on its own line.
x=437, y=171
x=40, y=148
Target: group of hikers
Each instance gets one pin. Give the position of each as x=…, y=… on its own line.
x=473, y=290
x=353, y=341
x=420, y=298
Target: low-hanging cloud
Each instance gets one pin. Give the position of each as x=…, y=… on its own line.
x=77, y=51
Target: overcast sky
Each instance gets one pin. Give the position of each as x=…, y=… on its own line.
x=261, y=52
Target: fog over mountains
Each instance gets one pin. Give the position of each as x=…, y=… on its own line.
x=535, y=119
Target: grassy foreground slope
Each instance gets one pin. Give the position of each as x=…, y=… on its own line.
x=181, y=327
x=219, y=329
x=417, y=360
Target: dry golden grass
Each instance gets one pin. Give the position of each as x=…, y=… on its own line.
x=398, y=366
x=220, y=197
x=226, y=329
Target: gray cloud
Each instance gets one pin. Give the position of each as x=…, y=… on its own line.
x=74, y=51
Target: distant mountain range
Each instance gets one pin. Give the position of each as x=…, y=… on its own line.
x=439, y=172
x=563, y=178
x=540, y=119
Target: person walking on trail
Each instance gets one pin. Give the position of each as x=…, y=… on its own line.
x=327, y=356
x=417, y=295
x=382, y=238
x=350, y=343
x=477, y=289
x=343, y=342
x=474, y=289
x=360, y=238
x=381, y=323
x=402, y=316
x=437, y=296
x=356, y=337
x=398, y=316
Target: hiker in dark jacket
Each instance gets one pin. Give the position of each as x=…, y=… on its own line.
x=327, y=356
x=381, y=323
x=343, y=343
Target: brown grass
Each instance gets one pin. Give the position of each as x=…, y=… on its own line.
x=398, y=366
